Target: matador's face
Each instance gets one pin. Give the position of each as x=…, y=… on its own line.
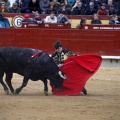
x=59, y=50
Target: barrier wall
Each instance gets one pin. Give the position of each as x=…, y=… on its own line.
x=102, y=42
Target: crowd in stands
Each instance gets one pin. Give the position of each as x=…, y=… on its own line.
x=58, y=10
x=69, y=7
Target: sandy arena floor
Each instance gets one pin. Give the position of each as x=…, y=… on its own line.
x=101, y=103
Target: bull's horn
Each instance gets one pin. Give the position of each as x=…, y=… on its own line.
x=60, y=74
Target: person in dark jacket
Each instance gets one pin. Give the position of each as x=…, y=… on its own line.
x=14, y=9
x=38, y=19
x=114, y=20
x=96, y=19
x=34, y=6
x=91, y=10
x=78, y=10
x=112, y=10
x=4, y=23
x=23, y=5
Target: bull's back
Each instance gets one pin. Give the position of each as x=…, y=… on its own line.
x=15, y=58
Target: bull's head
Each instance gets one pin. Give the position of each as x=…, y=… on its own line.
x=58, y=80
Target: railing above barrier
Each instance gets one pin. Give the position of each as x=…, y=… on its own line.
x=46, y=25
x=100, y=27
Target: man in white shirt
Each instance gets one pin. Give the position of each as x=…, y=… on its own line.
x=51, y=18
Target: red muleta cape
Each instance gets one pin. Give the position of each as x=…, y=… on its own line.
x=78, y=70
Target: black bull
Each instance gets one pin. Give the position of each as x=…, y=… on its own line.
x=20, y=60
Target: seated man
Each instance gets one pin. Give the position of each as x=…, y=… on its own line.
x=4, y=23
x=114, y=20
x=38, y=19
x=61, y=18
x=14, y=9
x=51, y=18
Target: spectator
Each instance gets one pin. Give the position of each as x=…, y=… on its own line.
x=57, y=8
x=23, y=5
x=103, y=10
x=50, y=9
x=83, y=21
x=109, y=3
x=4, y=23
x=51, y=18
x=117, y=6
x=34, y=6
x=118, y=12
x=38, y=19
x=78, y=10
x=95, y=2
x=114, y=20
x=75, y=4
x=54, y=2
x=96, y=19
x=27, y=18
x=61, y=18
x=112, y=10
x=14, y=9
x=7, y=2
x=44, y=5
x=91, y=10
x=71, y=2
x=3, y=8
x=66, y=7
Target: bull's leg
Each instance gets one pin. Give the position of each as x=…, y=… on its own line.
x=3, y=84
x=25, y=81
x=45, y=87
x=8, y=80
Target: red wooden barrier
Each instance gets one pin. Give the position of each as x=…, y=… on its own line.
x=103, y=42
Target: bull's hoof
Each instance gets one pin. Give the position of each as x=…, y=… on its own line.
x=7, y=92
x=46, y=93
x=16, y=92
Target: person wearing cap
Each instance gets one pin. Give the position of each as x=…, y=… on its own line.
x=14, y=9
x=103, y=10
x=51, y=18
x=62, y=18
x=27, y=18
x=38, y=19
x=60, y=55
x=91, y=10
x=114, y=20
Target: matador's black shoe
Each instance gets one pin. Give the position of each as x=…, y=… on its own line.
x=84, y=91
